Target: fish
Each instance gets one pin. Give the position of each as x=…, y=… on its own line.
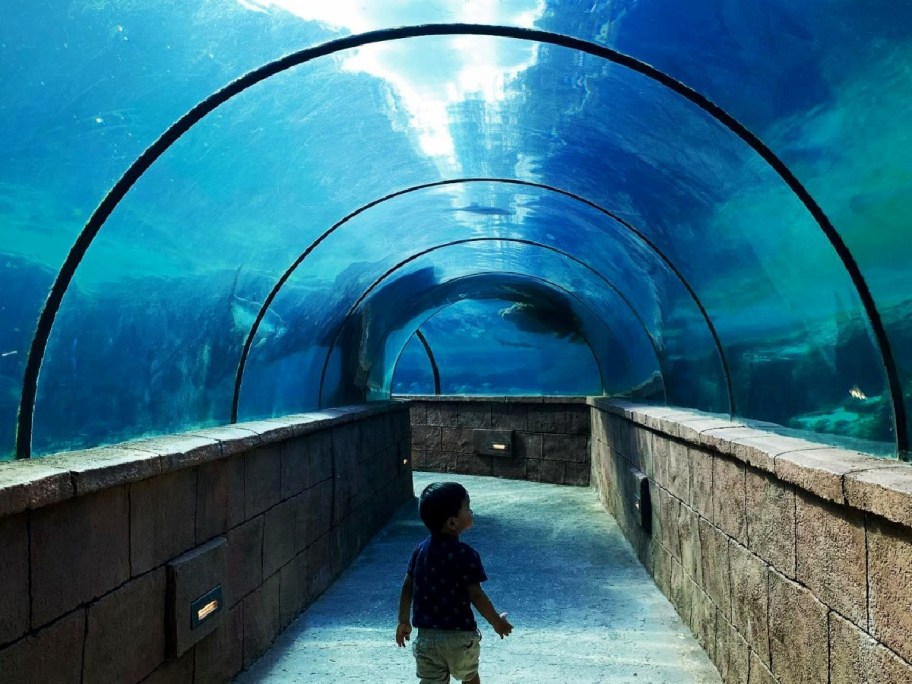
x=474, y=208
x=244, y=313
x=507, y=343
x=857, y=393
x=546, y=318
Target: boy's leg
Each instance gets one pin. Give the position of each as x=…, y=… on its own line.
x=430, y=667
x=462, y=655
x=431, y=671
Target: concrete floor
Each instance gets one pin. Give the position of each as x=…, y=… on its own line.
x=584, y=610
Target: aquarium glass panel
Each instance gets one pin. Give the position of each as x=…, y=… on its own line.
x=476, y=211
x=494, y=347
x=537, y=308
x=390, y=297
x=413, y=373
x=729, y=258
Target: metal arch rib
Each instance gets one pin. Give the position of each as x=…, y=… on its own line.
x=431, y=360
x=182, y=125
x=248, y=343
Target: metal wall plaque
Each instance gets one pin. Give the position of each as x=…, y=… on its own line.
x=493, y=442
x=206, y=607
x=195, y=595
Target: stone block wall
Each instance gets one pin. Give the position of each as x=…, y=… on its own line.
x=791, y=561
x=85, y=539
x=550, y=437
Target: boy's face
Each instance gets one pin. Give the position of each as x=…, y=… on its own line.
x=462, y=520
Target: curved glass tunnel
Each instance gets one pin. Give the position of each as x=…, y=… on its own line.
x=644, y=215
x=522, y=363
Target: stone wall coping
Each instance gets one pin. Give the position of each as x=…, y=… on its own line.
x=614, y=405
x=499, y=399
x=37, y=482
x=862, y=481
x=885, y=491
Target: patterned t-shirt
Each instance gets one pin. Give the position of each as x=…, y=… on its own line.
x=442, y=568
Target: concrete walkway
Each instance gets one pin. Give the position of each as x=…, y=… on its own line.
x=584, y=610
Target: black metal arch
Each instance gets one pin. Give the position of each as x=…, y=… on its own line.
x=531, y=243
x=248, y=343
x=545, y=282
x=431, y=360
x=201, y=109
x=267, y=302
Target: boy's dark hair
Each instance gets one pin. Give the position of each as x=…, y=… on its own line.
x=440, y=501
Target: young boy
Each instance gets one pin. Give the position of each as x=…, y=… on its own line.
x=444, y=576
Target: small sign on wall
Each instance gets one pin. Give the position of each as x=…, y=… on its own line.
x=206, y=607
x=195, y=582
x=493, y=442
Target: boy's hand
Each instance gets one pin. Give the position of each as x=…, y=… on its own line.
x=502, y=627
x=403, y=632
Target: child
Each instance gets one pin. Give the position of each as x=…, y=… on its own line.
x=443, y=577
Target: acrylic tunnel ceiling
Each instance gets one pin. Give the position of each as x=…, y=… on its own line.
x=236, y=209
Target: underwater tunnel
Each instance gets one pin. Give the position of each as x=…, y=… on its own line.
x=240, y=211
x=235, y=229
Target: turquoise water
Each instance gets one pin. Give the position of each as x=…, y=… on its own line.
x=151, y=329
x=498, y=347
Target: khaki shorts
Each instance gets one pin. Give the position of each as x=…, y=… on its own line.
x=440, y=653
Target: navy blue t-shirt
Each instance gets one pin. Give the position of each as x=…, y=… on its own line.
x=442, y=568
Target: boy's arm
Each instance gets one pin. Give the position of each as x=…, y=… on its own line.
x=484, y=606
x=404, y=628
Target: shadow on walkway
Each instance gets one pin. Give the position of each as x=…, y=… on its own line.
x=584, y=610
